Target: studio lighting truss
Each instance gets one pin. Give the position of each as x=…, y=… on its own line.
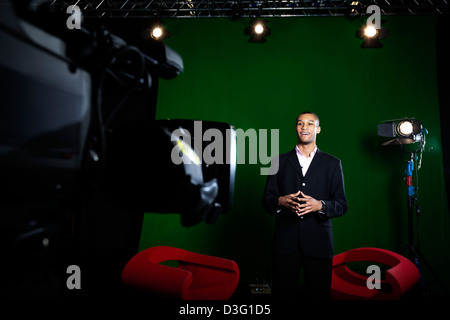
x=372, y=36
x=241, y=9
x=404, y=131
x=258, y=31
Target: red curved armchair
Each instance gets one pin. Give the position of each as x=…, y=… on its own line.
x=347, y=284
x=197, y=277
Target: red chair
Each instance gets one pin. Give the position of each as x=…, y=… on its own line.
x=347, y=284
x=197, y=277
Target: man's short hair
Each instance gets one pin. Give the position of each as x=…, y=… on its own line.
x=309, y=112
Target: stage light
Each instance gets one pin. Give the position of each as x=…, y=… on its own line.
x=158, y=32
x=370, y=31
x=259, y=28
x=408, y=131
x=258, y=31
x=405, y=128
x=404, y=131
x=372, y=36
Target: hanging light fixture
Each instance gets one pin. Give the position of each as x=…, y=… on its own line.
x=157, y=31
x=258, y=31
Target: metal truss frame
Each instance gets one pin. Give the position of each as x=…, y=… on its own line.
x=240, y=9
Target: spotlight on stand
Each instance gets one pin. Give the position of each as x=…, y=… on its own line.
x=372, y=36
x=404, y=131
x=258, y=31
x=409, y=131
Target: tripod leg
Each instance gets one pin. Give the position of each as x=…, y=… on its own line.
x=412, y=252
x=432, y=271
x=422, y=281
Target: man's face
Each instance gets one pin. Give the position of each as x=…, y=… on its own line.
x=307, y=128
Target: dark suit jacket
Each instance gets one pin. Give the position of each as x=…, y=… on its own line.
x=311, y=233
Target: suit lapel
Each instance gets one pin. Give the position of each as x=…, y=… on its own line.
x=293, y=160
x=315, y=163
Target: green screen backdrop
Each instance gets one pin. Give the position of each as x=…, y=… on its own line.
x=314, y=64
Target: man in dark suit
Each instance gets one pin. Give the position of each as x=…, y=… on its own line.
x=303, y=195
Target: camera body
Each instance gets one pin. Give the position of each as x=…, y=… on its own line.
x=79, y=145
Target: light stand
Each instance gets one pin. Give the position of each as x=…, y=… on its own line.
x=413, y=251
x=409, y=131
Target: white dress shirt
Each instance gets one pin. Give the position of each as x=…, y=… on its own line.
x=303, y=160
